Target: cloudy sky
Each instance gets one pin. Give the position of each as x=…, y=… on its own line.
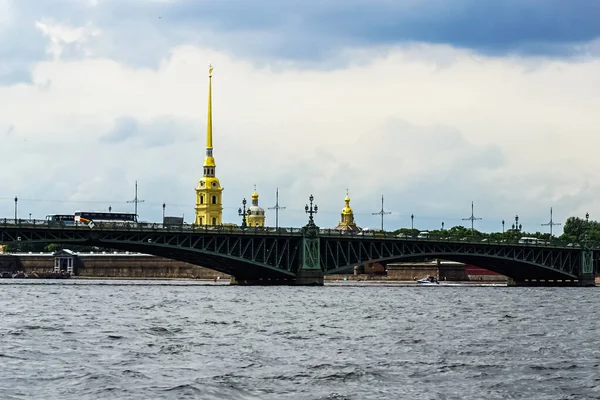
x=431, y=103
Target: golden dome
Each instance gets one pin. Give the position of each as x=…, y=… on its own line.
x=347, y=209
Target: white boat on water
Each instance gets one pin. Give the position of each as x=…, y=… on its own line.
x=430, y=280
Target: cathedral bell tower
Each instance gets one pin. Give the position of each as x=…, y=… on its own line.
x=209, y=193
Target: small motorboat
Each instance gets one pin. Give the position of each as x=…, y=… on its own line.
x=430, y=280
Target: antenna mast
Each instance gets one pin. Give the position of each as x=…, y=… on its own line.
x=551, y=223
x=472, y=218
x=277, y=207
x=382, y=212
x=135, y=199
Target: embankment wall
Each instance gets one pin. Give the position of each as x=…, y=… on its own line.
x=118, y=266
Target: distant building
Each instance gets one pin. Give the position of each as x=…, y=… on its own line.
x=256, y=215
x=347, y=221
x=65, y=260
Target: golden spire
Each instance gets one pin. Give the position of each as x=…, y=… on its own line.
x=254, y=195
x=209, y=161
x=209, y=119
x=209, y=193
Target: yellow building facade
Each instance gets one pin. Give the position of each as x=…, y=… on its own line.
x=256, y=215
x=347, y=222
x=209, y=193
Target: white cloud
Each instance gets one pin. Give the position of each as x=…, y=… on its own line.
x=62, y=36
x=431, y=127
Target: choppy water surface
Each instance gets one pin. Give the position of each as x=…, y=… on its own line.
x=140, y=340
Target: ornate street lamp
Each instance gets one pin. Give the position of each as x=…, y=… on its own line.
x=587, y=226
x=412, y=220
x=16, y=201
x=242, y=213
x=164, y=206
x=503, y=227
x=516, y=225
x=311, y=211
x=442, y=225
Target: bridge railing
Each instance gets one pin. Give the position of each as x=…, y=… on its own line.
x=384, y=235
x=149, y=226
x=231, y=229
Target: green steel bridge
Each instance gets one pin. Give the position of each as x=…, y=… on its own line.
x=304, y=255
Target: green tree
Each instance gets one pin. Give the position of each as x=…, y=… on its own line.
x=574, y=227
x=460, y=230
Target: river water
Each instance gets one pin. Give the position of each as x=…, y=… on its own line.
x=184, y=340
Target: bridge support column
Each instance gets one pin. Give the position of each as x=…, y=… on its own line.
x=310, y=272
x=586, y=272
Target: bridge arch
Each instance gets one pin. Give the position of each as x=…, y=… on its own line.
x=515, y=269
x=237, y=256
x=514, y=261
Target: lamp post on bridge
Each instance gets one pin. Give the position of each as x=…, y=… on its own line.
x=587, y=227
x=16, y=202
x=412, y=221
x=109, y=208
x=242, y=213
x=164, y=207
x=516, y=225
x=442, y=225
x=503, y=227
x=313, y=209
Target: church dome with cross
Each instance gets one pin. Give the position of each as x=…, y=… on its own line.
x=256, y=214
x=347, y=221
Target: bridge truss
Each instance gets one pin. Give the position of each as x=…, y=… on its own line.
x=244, y=254
x=340, y=255
x=281, y=254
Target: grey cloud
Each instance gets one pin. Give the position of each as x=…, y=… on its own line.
x=312, y=33
x=125, y=128
x=161, y=131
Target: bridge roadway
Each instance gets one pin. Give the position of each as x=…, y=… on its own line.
x=303, y=255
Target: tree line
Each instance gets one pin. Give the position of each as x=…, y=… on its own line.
x=574, y=230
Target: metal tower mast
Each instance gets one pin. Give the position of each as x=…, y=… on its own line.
x=472, y=218
x=135, y=199
x=551, y=223
x=277, y=207
x=382, y=212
